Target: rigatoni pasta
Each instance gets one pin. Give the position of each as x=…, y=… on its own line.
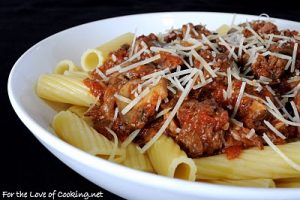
x=93, y=58
x=136, y=160
x=64, y=89
x=169, y=160
x=77, y=132
x=65, y=66
x=213, y=106
x=251, y=164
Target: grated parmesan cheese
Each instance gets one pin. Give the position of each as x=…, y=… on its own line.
x=158, y=49
x=250, y=134
x=101, y=74
x=170, y=117
x=116, y=114
x=178, y=84
x=171, y=89
x=135, y=101
x=229, y=83
x=282, y=107
x=143, y=62
x=255, y=34
x=280, y=153
x=113, y=57
x=274, y=130
x=296, y=113
x=204, y=63
x=156, y=74
x=240, y=51
x=294, y=57
x=115, y=145
x=133, y=44
x=238, y=101
x=158, y=103
x=130, y=138
x=270, y=90
x=203, y=84
x=163, y=112
x=236, y=122
x=122, y=98
x=294, y=79
x=206, y=40
x=228, y=48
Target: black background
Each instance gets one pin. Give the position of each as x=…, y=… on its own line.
x=25, y=164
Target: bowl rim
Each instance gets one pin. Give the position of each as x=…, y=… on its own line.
x=125, y=173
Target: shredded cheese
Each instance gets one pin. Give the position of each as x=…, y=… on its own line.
x=178, y=84
x=229, y=83
x=250, y=134
x=170, y=117
x=204, y=63
x=179, y=73
x=163, y=112
x=270, y=90
x=294, y=79
x=280, y=153
x=122, y=98
x=137, y=55
x=255, y=34
x=282, y=107
x=270, y=40
x=294, y=57
x=143, y=62
x=135, y=101
x=116, y=114
x=228, y=47
x=188, y=48
x=171, y=89
x=133, y=44
x=206, y=40
x=238, y=101
x=201, y=75
x=113, y=57
x=272, y=128
x=158, y=49
x=156, y=74
x=101, y=74
x=177, y=130
x=272, y=106
x=279, y=55
x=115, y=145
x=288, y=64
x=187, y=32
x=236, y=122
x=281, y=118
x=158, y=103
x=130, y=138
x=203, y=84
x=113, y=69
x=188, y=77
x=294, y=90
x=296, y=113
x=240, y=51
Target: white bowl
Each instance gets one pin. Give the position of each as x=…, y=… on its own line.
x=128, y=183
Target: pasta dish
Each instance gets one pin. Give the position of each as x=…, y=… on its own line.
x=216, y=106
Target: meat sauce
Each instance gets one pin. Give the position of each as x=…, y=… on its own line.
x=202, y=125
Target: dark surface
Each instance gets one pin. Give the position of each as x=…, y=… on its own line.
x=26, y=165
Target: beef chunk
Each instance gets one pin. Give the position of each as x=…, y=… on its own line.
x=271, y=67
x=202, y=125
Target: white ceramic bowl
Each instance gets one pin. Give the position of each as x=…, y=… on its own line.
x=128, y=183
